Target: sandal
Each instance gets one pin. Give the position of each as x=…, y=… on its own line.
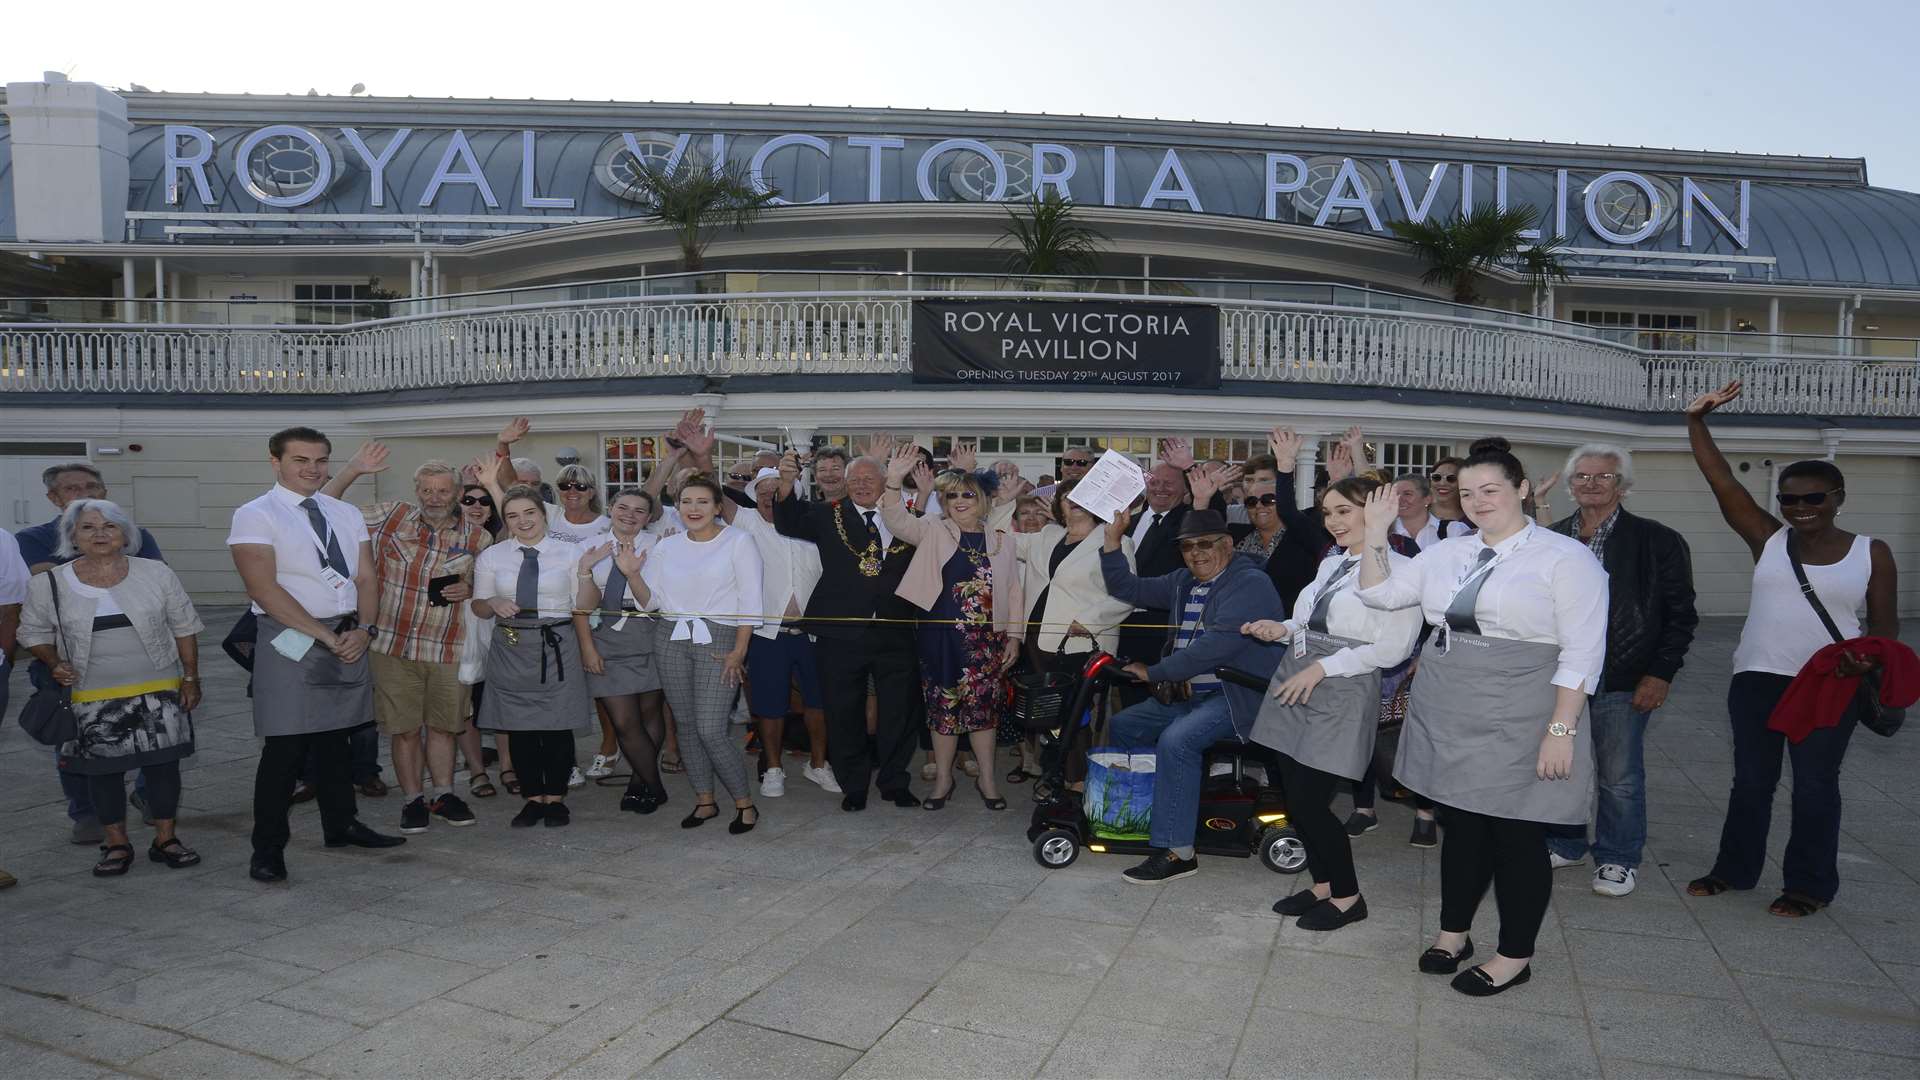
x=513, y=785
x=112, y=865
x=1707, y=885
x=175, y=854
x=995, y=803
x=1793, y=905
x=482, y=788
x=671, y=763
x=1019, y=775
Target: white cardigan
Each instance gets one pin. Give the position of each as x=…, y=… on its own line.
x=1076, y=592
x=150, y=594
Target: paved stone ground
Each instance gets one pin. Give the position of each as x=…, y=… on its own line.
x=905, y=944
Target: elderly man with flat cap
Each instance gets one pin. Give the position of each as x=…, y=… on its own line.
x=1210, y=598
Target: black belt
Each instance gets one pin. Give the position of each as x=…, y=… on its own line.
x=549, y=642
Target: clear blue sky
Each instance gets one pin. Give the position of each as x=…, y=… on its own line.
x=1764, y=76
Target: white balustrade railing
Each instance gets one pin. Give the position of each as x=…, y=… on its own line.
x=870, y=333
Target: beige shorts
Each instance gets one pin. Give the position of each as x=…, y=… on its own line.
x=408, y=693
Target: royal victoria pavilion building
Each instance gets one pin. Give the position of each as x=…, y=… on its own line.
x=184, y=273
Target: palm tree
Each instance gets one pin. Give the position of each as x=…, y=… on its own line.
x=1046, y=239
x=1458, y=251
x=695, y=198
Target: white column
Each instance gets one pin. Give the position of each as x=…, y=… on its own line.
x=1843, y=328
x=1146, y=272
x=1773, y=324
x=413, y=278
x=1303, y=465
x=128, y=309
x=909, y=269
x=160, y=289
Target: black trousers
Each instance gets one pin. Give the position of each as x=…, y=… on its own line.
x=886, y=654
x=1477, y=850
x=1329, y=850
x=542, y=759
x=280, y=763
x=109, y=792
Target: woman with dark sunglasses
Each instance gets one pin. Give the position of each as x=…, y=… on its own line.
x=1444, y=482
x=1848, y=573
x=476, y=506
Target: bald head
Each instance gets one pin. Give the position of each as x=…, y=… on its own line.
x=865, y=479
x=1166, y=487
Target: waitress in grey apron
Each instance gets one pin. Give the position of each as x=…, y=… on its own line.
x=1495, y=730
x=622, y=673
x=1325, y=704
x=530, y=584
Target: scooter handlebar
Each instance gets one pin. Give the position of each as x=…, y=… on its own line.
x=1242, y=678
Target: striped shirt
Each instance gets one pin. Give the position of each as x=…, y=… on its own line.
x=1191, y=627
x=408, y=554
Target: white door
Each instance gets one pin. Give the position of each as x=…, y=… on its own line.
x=23, y=498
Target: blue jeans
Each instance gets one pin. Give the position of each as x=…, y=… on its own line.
x=1620, y=775
x=1179, y=735
x=1811, y=865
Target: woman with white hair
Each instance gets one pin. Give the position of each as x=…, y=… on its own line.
x=120, y=632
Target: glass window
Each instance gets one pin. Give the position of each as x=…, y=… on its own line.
x=331, y=303
x=1647, y=329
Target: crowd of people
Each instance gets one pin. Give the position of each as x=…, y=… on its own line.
x=884, y=602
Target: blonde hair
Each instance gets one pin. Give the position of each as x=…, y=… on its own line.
x=580, y=474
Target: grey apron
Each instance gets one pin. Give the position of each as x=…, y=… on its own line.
x=1332, y=730
x=534, y=679
x=318, y=693
x=628, y=656
x=1475, y=719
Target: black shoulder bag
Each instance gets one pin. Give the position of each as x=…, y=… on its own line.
x=48, y=716
x=1866, y=707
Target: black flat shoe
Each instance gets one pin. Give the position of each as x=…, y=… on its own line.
x=358, y=835
x=1296, y=905
x=740, y=824
x=1325, y=916
x=1475, y=982
x=697, y=819
x=529, y=815
x=268, y=868
x=557, y=815
x=852, y=805
x=1438, y=961
x=904, y=799
x=175, y=854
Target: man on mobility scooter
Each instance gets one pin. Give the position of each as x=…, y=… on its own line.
x=1218, y=593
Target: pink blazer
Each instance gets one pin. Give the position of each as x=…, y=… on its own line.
x=934, y=541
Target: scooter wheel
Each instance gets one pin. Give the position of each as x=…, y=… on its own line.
x=1283, y=851
x=1056, y=848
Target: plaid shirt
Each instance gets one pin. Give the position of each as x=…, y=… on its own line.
x=408, y=553
x=1598, y=543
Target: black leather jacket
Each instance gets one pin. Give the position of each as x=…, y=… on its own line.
x=1650, y=615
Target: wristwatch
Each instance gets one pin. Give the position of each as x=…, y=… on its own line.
x=1560, y=730
x=372, y=630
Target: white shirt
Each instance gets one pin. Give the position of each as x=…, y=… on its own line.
x=1544, y=587
x=1428, y=535
x=1147, y=517
x=277, y=520
x=1782, y=632
x=666, y=520
x=789, y=570
x=698, y=582
x=496, y=573
x=878, y=525
x=13, y=571
x=1390, y=635
x=592, y=534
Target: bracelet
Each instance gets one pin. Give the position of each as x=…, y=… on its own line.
x=893, y=488
x=189, y=678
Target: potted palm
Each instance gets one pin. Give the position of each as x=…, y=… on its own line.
x=1460, y=250
x=1045, y=240
x=696, y=199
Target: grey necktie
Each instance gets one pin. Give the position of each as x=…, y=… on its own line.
x=334, y=557
x=615, y=592
x=526, y=591
x=1317, y=622
x=1460, y=611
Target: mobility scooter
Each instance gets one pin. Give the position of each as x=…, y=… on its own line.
x=1237, y=816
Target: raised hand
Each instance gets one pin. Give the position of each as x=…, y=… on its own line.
x=1207, y=480
x=370, y=458
x=1177, y=453
x=923, y=480
x=1117, y=529
x=515, y=430
x=1339, y=463
x=1543, y=487
x=1379, y=513
x=482, y=467
x=880, y=445
x=903, y=462
x=630, y=561
x=1356, y=443
x=1286, y=446
x=964, y=456
x=692, y=433
x=1713, y=399
x=789, y=471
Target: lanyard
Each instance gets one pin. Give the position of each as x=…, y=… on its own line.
x=1469, y=588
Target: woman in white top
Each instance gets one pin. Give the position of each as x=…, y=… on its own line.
x=705, y=582
x=1325, y=704
x=622, y=673
x=531, y=584
x=1849, y=573
x=1494, y=730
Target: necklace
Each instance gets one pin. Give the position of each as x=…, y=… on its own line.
x=869, y=556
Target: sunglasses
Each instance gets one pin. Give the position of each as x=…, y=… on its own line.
x=742, y=477
x=1200, y=544
x=570, y=486
x=1252, y=501
x=1443, y=478
x=1082, y=462
x=1811, y=498
x=475, y=500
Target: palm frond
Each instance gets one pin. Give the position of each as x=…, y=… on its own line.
x=1047, y=241
x=696, y=198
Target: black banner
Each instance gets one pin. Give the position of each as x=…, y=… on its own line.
x=1012, y=343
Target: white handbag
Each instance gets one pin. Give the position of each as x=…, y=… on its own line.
x=477, y=635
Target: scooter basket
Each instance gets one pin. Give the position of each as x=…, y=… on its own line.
x=1039, y=699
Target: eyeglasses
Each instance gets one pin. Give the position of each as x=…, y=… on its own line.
x=741, y=477
x=1594, y=477
x=1811, y=498
x=475, y=500
x=571, y=486
x=1443, y=478
x=1082, y=462
x=1252, y=501
x=1199, y=543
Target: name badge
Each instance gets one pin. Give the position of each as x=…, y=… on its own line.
x=1300, y=644
x=1442, y=639
x=332, y=577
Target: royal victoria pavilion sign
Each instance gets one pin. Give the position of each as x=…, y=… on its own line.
x=424, y=171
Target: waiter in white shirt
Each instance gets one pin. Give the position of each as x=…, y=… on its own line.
x=308, y=567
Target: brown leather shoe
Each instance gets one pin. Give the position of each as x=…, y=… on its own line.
x=373, y=788
x=303, y=793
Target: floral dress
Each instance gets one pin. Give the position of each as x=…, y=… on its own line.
x=960, y=660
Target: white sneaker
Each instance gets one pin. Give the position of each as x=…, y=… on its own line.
x=574, y=779
x=774, y=783
x=602, y=765
x=1220, y=768
x=1612, y=879
x=822, y=776
x=1561, y=862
